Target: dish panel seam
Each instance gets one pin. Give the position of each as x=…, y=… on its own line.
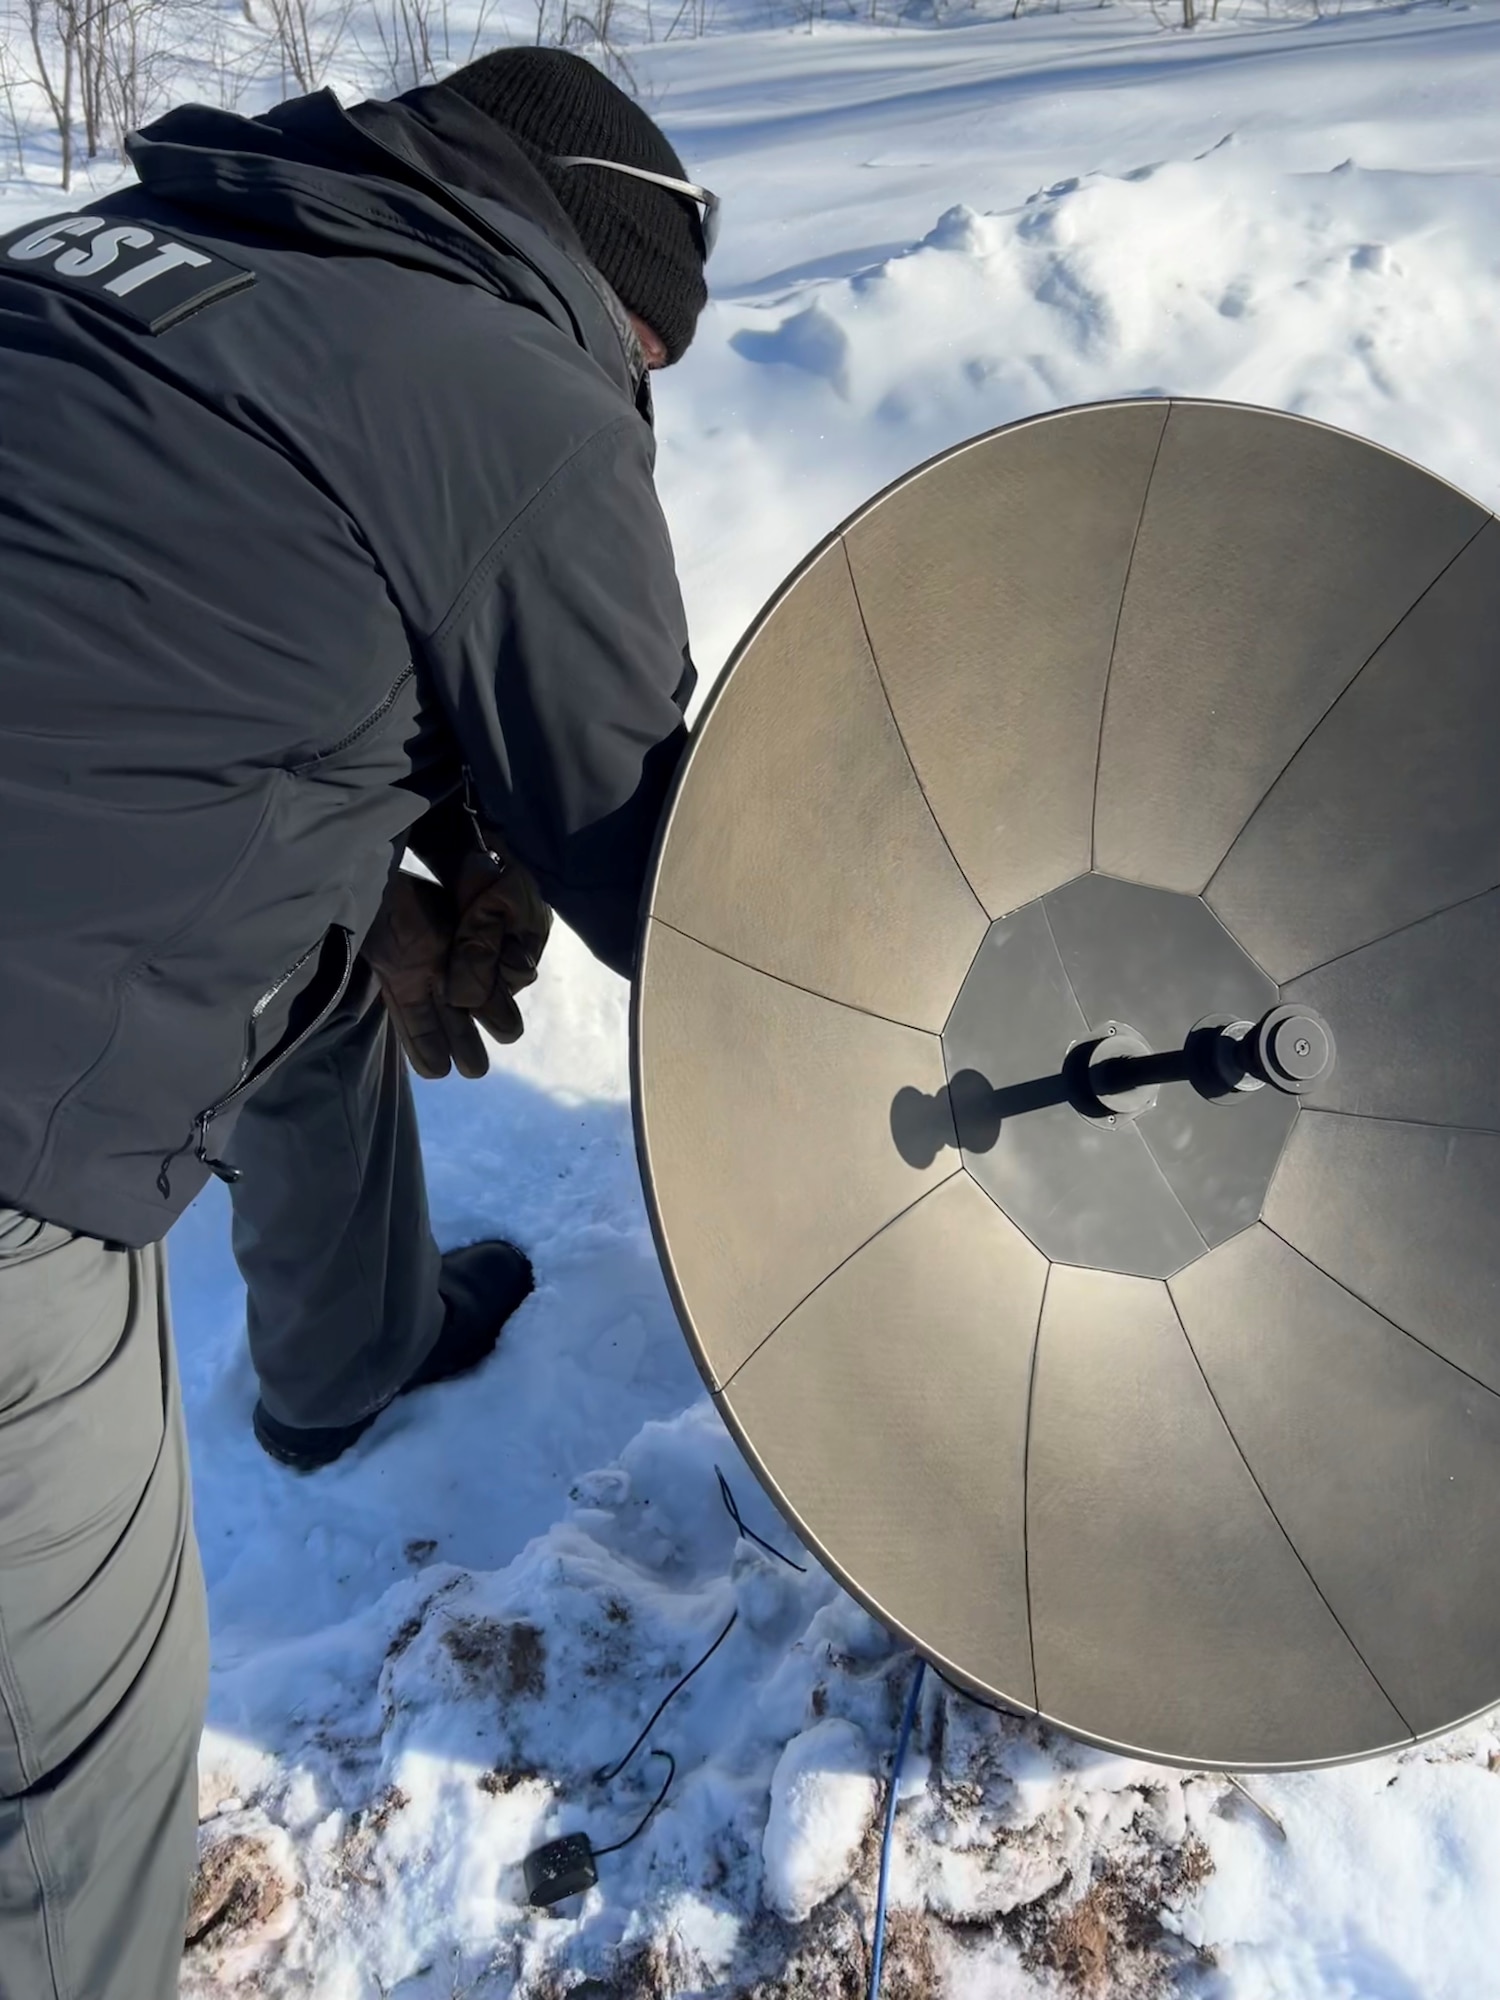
x=813, y=1291
x=885, y=694
x=1109, y=671
x=1265, y=1501
x=1342, y=695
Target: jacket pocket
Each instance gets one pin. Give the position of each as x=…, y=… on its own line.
x=361, y=729
x=309, y=1009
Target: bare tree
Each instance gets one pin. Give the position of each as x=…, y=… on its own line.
x=809, y=12
x=10, y=76
x=92, y=18
x=405, y=29
x=307, y=38
x=228, y=64
x=53, y=24
x=596, y=29
x=479, y=26
x=103, y=67
x=132, y=52
x=692, y=17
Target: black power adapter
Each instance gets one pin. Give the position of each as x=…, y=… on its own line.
x=562, y=1868
x=567, y=1866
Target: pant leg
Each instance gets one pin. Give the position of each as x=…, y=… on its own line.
x=330, y=1221
x=103, y=1633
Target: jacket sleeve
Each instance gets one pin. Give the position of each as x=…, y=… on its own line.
x=564, y=670
x=442, y=837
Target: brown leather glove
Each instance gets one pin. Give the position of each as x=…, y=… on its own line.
x=502, y=933
x=445, y=960
x=408, y=946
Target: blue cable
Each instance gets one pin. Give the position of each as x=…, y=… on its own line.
x=877, y=1943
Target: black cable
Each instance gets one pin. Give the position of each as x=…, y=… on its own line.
x=749, y=1533
x=981, y=1701
x=613, y=1771
x=651, y=1810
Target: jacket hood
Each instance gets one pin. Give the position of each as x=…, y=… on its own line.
x=424, y=180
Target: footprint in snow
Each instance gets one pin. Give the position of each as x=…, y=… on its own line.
x=1372, y=258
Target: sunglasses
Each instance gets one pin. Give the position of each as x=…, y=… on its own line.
x=706, y=200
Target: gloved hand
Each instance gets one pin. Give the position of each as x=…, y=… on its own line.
x=446, y=959
x=408, y=947
x=502, y=933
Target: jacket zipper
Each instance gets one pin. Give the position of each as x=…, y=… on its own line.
x=352, y=736
x=248, y=1072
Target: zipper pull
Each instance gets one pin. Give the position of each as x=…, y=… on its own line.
x=222, y=1168
x=471, y=807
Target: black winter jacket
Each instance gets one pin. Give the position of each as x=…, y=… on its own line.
x=322, y=477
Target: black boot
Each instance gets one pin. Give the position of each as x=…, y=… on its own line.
x=481, y=1286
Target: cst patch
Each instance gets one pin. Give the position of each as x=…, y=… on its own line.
x=147, y=278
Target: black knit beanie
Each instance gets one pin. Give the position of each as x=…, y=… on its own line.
x=646, y=242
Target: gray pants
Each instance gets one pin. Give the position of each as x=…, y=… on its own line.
x=330, y=1221
x=103, y=1640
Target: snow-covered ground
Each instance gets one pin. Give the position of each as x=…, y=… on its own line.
x=424, y=1653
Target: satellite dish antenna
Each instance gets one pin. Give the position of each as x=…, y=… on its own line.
x=1067, y=1079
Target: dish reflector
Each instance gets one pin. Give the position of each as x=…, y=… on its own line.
x=1065, y=1084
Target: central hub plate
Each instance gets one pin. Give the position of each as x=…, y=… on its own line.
x=1152, y=1181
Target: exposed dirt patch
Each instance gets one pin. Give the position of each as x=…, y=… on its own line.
x=352, y=1860
x=238, y=1888
x=825, y=1958
x=499, y=1658
x=660, y=1970
x=402, y=1637
x=610, y=1635
x=375, y=1819
x=498, y=1783
x=420, y=1549
x=1112, y=1939
x=909, y=1970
